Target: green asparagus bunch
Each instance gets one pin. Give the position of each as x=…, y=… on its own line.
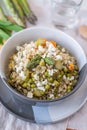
x=19, y=9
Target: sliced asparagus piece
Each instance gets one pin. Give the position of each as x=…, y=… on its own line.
x=28, y=12
x=34, y=62
x=2, y=16
x=14, y=14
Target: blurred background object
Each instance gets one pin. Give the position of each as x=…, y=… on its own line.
x=47, y=2
x=83, y=31
x=65, y=12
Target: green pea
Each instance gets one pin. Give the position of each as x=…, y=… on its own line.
x=32, y=75
x=33, y=85
x=30, y=80
x=56, y=83
x=69, y=75
x=33, y=79
x=59, y=76
x=47, y=87
x=42, y=63
x=38, y=93
x=24, y=85
x=65, y=70
x=46, y=74
x=50, y=79
x=69, y=89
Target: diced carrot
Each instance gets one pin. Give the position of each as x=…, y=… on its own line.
x=41, y=41
x=54, y=43
x=44, y=44
x=71, y=66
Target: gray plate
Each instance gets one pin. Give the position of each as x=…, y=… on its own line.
x=48, y=114
x=13, y=106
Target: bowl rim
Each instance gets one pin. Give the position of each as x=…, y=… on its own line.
x=32, y=99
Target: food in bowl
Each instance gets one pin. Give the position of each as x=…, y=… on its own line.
x=43, y=70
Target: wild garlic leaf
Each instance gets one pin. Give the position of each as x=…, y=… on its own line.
x=49, y=60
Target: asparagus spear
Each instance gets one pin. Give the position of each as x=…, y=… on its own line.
x=28, y=12
x=18, y=9
x=10, y=18
x=32, y=15
x=14, y=14
x=2, y=16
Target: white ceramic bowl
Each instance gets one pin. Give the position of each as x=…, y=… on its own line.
x=33, y=34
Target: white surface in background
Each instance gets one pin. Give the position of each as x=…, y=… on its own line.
x=44, y=2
